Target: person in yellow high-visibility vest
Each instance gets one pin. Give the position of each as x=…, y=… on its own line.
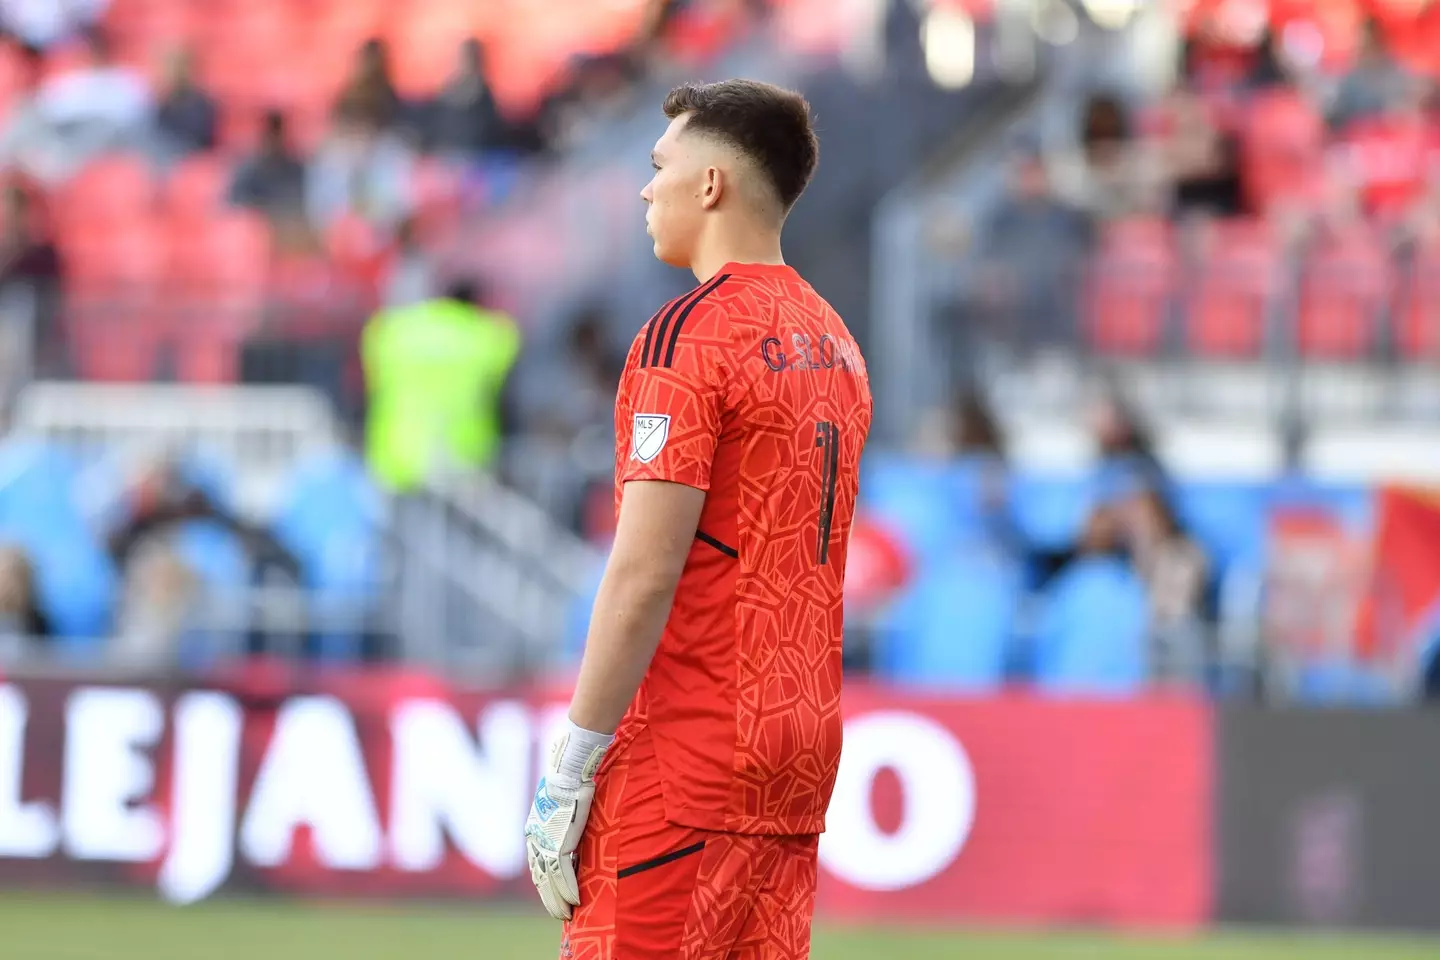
x=434, y=372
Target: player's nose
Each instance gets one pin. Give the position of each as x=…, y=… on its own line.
x=647, y=193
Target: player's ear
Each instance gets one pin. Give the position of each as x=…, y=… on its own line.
x=711, y=188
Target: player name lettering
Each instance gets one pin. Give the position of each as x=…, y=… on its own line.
x=809, y=353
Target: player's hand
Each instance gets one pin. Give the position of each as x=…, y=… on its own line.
x=554, y=827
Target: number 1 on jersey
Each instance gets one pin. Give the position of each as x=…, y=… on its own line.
x=827, y=441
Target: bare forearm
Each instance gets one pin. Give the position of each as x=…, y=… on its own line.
x=625, y=629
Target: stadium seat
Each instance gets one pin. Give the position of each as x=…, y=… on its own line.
x=329, y=518
x=1132, y=281
x=205, y=354
x=1344, y=285
x=425, y=44
x=331, y=497
x=120, y=258
x=1237, y=277
x=76, y=583
x=954, y=627
x=1226, y=519
x=195, y=189
x=1417, y=326
x=214, y=553
x=1092, y=632
x=37, y=485
x=933, y=506
x=225, y=263
x=1048, y=511
x=115, y=355
x=39, y=512
x=1283, y=139
x=109, y=190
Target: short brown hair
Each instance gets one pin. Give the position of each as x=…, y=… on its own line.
x=769, y=124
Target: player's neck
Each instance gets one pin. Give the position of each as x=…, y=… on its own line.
x=745, y=245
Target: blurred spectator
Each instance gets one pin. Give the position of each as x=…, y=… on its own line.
x=1389, y=156
x=1373, y=82
x=976, y=432
x=39, y=24
x=273, y=179
x=21, y=619
x=369, y=94
x=310, y=322
x=1176, y=574
x=186, y=116
x=162, y=567
x=599, y=92
x=434, y=375
x=1202, y=162
x=411, y=275
x=361, y=168
x=564, y=399
x=1102, y=536
x=158, y=600
x=78, y=115
x=1033, y=250
x=1269, y=67
x=1111, y=174
x=463, y=118
x=979, y=440
x=1127, y=454
x=307, y=291
x=163, y=498
x=30, y=279
x=562, y=393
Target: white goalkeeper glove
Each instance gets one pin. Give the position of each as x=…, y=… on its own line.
x=557, y=817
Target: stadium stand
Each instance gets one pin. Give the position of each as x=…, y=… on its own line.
x=1245, y=260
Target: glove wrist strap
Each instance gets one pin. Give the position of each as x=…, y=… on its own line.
x=580, y=752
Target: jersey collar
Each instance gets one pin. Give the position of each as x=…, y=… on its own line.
x=759, y=270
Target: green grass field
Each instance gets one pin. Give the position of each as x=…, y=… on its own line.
x=75, y=928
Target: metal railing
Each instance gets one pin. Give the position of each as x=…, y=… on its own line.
x=479, y=578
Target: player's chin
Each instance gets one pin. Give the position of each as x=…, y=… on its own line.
x=669, y=256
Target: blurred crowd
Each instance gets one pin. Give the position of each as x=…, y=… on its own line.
x=202, y=229
x=1282, y=198
x=183, y=200
x=1002, y=592
x=1277, y=201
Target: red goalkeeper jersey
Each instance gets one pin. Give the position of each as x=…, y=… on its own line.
x=750, y=388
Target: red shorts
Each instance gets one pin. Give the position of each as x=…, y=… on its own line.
x=651, y=889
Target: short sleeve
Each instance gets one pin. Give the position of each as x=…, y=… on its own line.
x=675, y=423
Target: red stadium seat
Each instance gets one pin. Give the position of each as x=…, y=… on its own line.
x=1283, y=140
x=223, y=267
x=1417, y=332
x=1344, y=284
x=195, y=189
x=207, y=355
x=1235, y=281
x=124, y=258
x=117, y=357
x=1132, y=282
x=425, y=42
x=109, y=190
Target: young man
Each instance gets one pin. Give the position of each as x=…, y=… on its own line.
x=704, y=731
